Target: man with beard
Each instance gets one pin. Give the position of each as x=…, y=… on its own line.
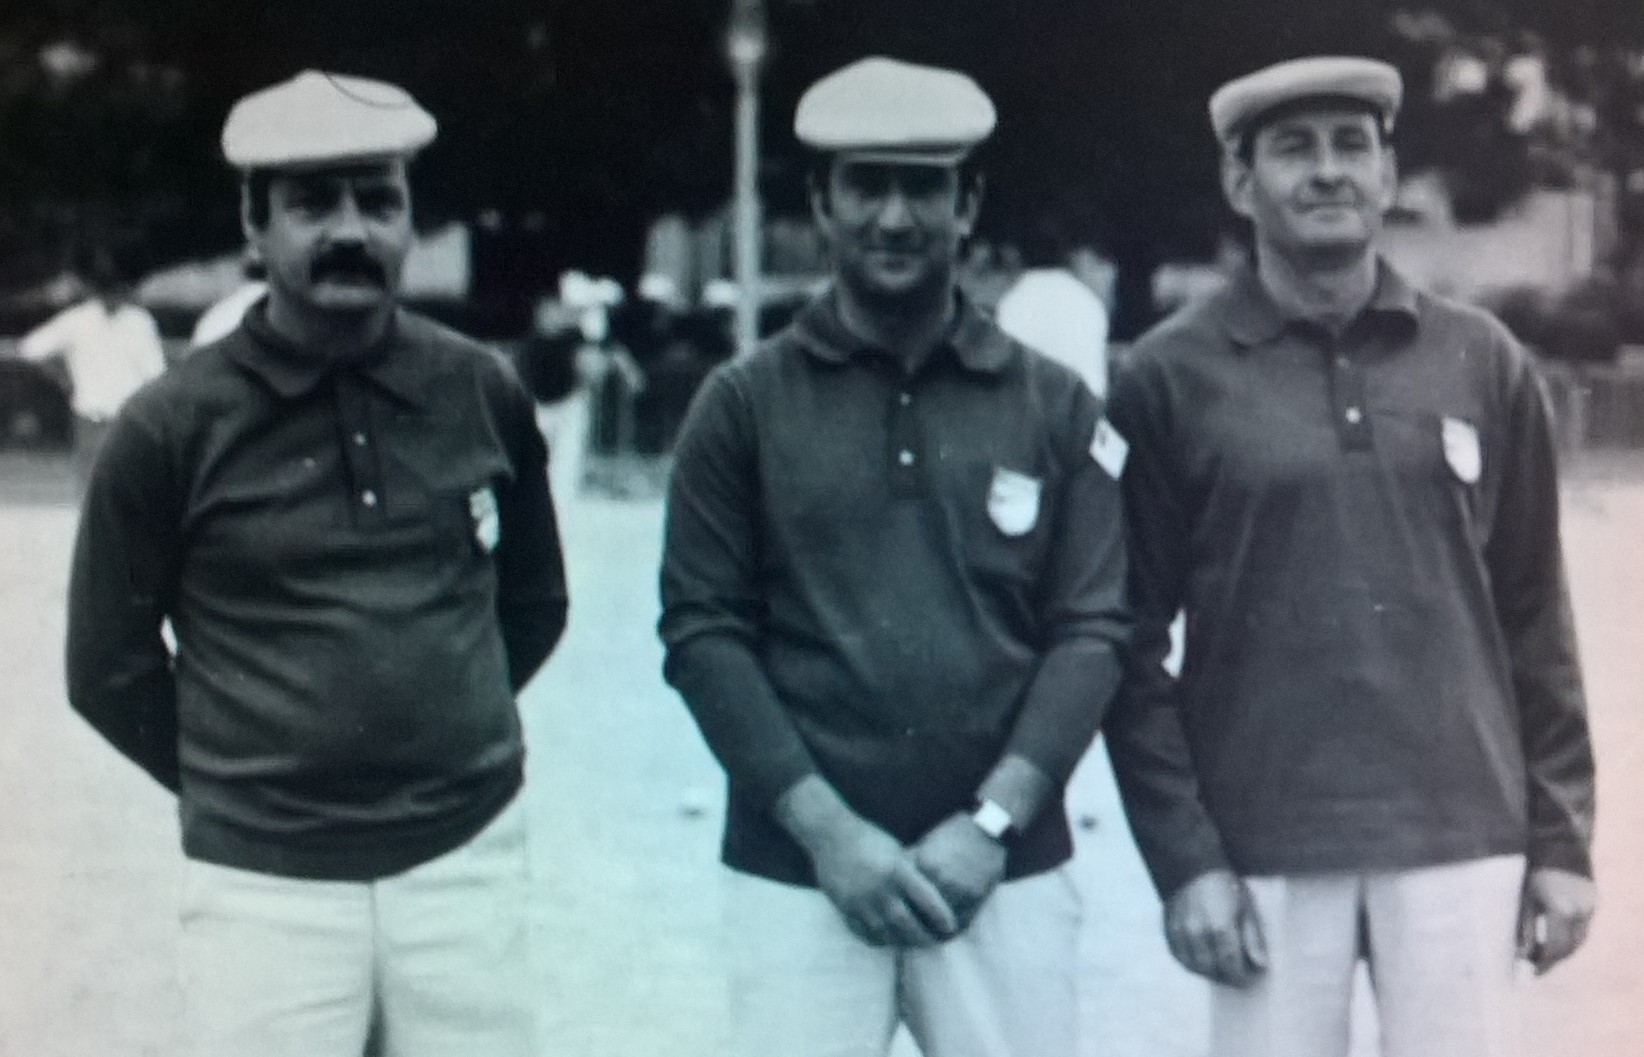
x=1377, y=748
x=342, y=510
x=892, y=599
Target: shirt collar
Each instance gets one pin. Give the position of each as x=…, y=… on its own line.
x=1252, y=318
x=973, y=338
x=292, y=371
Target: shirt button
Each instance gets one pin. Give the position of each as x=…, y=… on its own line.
x=1342, y=362
x=905, y=457
x=1354, y=416
x=905, y=399
x=368, y=497
x=359, y=440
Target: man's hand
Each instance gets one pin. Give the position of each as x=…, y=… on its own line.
x=1213, y=929
x=878, y=889
x=1553, y=917
x=964, y=863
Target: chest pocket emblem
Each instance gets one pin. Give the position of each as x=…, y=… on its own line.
x=1462, y=451
x=1013, y=501
x=482, y=508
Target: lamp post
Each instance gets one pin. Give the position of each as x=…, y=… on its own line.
x=745, y=46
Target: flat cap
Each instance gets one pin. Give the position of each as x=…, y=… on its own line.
x=1237, y=104
x=318, y=119
x=899, y=111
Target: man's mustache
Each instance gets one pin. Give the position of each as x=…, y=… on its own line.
x=350, y=264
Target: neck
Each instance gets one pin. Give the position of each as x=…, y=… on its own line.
x=1330, y=291
x=909, y=333
x=334, y=336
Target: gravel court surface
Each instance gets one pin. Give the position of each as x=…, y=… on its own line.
x=626, y=805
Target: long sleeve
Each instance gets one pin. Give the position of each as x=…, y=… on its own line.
x=1532, y=599
x=1144, y=733
x=711, y=598
x=120, y=588
x=531, y=594
x=1085, y=614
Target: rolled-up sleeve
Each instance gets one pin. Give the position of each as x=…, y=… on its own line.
x=1144, y=733
x=712, y=599
x=1526, y=564
x=1085, y=614
x=120, y=588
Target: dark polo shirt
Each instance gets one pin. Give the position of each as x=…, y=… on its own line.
x=1380, y=667
x=891, y=580
x=361, y=566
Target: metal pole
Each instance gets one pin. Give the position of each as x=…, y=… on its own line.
x=746, y=46
x=747, y=211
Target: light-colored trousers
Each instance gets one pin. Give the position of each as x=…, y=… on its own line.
x=803, y=985
x=1440, y=943
x=438, y=955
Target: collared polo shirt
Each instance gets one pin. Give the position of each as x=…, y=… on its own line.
x=360, y=564
x=891, y=579
x=1380, y=668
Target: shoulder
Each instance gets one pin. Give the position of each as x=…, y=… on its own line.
x=444, y=352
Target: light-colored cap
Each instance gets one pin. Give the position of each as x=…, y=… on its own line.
x=321, y=119
x=884, y=109
x=1238, y=103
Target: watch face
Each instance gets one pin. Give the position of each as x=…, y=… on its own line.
x=992, y=819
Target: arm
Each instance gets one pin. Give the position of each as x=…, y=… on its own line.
x=531, y=595
x=712, y=609
x=1526, y=563
x=1210, y=920
x=1085, y=625
x=49, y=339
x=1145, y=738
x=121, y=585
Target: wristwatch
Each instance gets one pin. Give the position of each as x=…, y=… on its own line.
x=992, y=819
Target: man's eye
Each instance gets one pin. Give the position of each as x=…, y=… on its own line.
x=380, y=203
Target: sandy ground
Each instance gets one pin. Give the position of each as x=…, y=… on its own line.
x=625, y=808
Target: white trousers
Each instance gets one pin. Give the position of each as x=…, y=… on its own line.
x=1440, y=943
x=803, y=985
x=438, y=955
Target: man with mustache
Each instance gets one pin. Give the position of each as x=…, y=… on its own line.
x=1377, y=748
x=892, y=599
x=342, y=511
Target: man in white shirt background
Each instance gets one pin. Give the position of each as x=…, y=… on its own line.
x=1054, y=307
x=109, y=346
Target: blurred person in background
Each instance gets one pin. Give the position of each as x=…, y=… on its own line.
x=109, y=347
x=1377, y=747
x=1052, y=308
x=893, y=601
x=342, y=510
x=223, y=315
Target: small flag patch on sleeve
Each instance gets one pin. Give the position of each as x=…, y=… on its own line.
x=1109, y=449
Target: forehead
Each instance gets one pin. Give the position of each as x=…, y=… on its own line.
x=331, y=179
x=1320, y=117
x=887, y=169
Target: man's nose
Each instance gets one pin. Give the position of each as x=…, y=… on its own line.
x=1327, y=166
x=346, y=223
x=897, y=213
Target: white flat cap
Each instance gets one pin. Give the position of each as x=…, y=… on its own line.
x=319, y=119
x=899, y=111
x=1236, y=104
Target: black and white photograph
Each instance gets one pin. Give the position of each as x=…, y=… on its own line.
x=822, y=528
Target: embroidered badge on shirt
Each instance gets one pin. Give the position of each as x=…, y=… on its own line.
x=1462, y=450
x=1109, y=449
x=482, y=507
x=1013, y=501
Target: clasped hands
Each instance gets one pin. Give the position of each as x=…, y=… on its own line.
x=917, y=895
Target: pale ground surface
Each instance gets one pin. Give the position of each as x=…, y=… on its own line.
x=625, y=805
